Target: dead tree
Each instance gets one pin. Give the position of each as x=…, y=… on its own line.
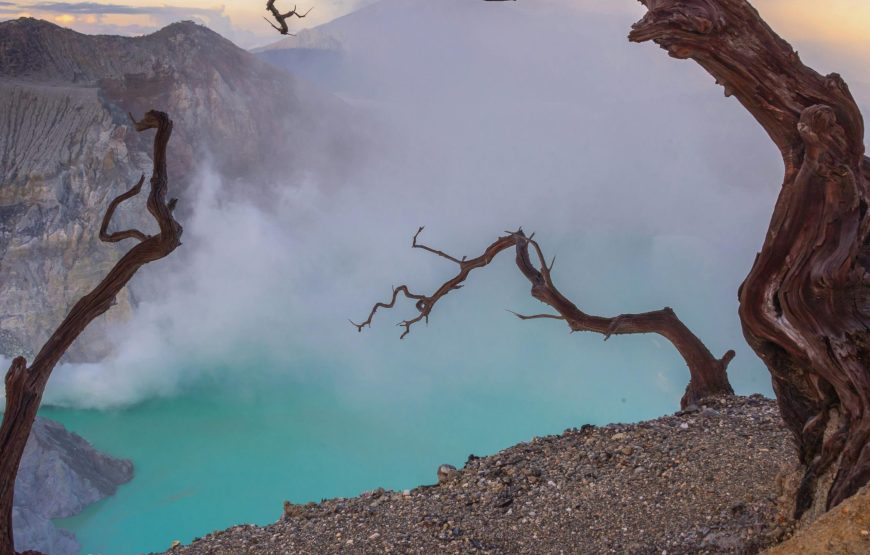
x=25, y=384
x=282, y=18
x=805, y=306
x=708, y=375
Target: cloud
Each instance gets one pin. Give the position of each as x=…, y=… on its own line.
x=95, y=8
x=483, y=119
x=238, y=20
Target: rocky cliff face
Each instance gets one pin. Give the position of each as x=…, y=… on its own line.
x=60, y=475
x=63, y=159
x=67, y=149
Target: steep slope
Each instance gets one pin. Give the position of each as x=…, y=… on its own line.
x=66, y=148
x=63, y=157
x=845, y=530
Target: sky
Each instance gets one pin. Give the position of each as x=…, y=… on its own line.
x=843, y=23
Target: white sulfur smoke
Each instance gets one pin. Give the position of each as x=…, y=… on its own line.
x=650, y=187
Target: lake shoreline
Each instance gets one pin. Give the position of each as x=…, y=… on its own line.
x=699, y=481
x=60, y=475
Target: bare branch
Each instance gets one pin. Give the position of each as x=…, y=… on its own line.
x=416, y=245
x=425, y=304
x=545, y=270
x=281, y=18
x=403, y=289
x=25, y=385
x=110, y=211
x=708, y=375
x=536, y=316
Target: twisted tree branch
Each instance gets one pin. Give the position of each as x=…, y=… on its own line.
x=107, y=218
x=416, y=245
x=26, y=385
x=281, y=18
x=396, y=290
x=536, y=316
x=708, y=374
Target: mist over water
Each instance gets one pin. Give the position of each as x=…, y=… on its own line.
x=240, y=382
x=649, y=188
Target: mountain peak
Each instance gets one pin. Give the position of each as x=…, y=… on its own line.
x=32, y=24
x=28, y=22
x=186, y=27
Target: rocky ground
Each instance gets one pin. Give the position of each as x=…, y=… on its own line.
x=844, y=530
x=701, y=481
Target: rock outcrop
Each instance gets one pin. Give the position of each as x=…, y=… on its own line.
x=844, y=530
x=62, y=160
x=35, y=532
x=65, y=150
x=60, y=475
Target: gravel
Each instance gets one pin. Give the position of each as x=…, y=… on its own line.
x=700, y=481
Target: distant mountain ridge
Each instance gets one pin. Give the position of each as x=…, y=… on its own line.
x=185, y=69
x=68, y=148
x=41, y=50
x=306, y=39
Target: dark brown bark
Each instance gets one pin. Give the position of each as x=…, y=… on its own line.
x=805, y=305
x=708, y=375
x=281, y=19
x=25, y=385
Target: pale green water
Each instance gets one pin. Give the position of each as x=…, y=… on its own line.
x=223, y=456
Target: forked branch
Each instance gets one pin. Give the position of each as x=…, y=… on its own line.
x=282, y=18
x=425, y=304
x=403, y=289
x=107, y=218
x=708, y=374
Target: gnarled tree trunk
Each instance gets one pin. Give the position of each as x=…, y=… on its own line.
x=708, y=375
x=805, y=306
x=25, y=385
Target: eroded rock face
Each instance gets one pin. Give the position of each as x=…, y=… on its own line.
x=60, y=475
x=67, y=148
x=62, y=161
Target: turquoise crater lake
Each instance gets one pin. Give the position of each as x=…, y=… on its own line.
x=227, y=411
x=223, y=454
